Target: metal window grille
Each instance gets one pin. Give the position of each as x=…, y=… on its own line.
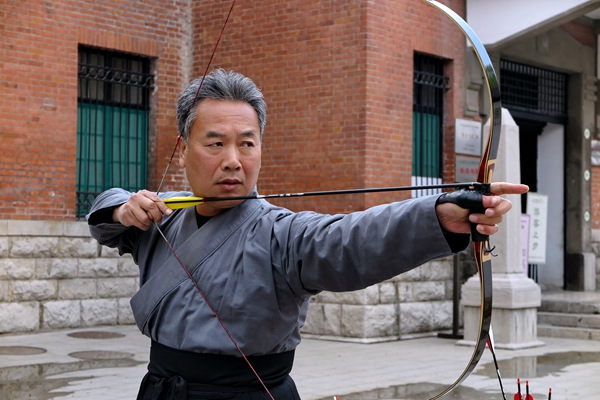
x=532, y=92
x=429, y=87
x=112, y=123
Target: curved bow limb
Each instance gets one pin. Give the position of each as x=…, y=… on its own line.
x=486, y=168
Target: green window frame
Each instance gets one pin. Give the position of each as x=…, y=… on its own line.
x=113, y=114
x=429, y=86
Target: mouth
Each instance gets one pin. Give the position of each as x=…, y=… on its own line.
x=229, y=184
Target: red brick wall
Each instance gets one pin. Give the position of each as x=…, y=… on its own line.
x=38, y=105
x=337, y=77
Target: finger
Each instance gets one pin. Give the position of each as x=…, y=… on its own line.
x=486, y=229
x=496, y=205
x=499, y=188
x=162, y=207
x=483, y=219
x=151, y=204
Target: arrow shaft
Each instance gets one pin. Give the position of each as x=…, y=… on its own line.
x=181, y=202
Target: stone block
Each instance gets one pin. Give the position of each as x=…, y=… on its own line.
x=323, y=319
x=19, y=317
x=442, y=315
x=5, y=292
x=17, y=268
x=75, y=229
x=34, y=290
x=415, y=317
x=124, y=312
x=33, y=246
x=98, y=267
x=77, y=247
x=99, y=312
x=70, y=289
x=405, y=292
x=34, y=228
x=116, y=287
x=388, y=293
x=432, y=290
x=61, y=314
x=108, y=252
x=369, y=295
x=3, y=247
x=127, y=267
x=514, y=314
x=55, y=268
x=371, y=321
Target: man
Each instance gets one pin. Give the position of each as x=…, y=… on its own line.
x=256, y=264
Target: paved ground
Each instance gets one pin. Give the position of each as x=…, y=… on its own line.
x=108, y=363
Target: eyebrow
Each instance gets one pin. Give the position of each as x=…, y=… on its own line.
x=219, y=135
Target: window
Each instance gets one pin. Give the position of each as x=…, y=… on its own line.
x=534, y=93
x=112, y=123
x=428, y=110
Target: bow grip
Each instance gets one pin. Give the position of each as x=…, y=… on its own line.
x=469, y=200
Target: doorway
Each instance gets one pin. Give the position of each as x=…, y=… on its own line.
x=542, y=149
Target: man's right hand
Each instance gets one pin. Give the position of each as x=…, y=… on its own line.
x=141, y=210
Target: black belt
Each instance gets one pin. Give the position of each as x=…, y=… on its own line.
x=177, y=374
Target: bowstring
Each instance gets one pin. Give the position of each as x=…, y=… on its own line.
x=212, y=55
x=170, y=246
x=213, y=310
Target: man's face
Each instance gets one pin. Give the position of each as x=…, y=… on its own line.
x=223, y=154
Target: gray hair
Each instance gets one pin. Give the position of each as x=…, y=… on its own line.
x=219, y=85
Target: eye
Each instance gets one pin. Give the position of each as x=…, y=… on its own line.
x=248, y=144
x=215, y=144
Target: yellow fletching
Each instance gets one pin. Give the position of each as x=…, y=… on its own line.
x=175, y=203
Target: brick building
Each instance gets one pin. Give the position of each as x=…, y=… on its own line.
x=338, y=76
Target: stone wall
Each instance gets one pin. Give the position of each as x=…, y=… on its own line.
x=412, y=304
x=595, y=242
x=54, y=275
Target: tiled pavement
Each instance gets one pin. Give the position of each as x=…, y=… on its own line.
x=108, y=363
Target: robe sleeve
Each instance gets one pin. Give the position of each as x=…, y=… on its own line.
x=112, y=234
x=353, y=251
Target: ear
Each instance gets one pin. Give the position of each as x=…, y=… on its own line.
x=182, y=150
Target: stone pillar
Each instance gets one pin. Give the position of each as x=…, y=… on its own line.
x=515, y=296
x=581, y=261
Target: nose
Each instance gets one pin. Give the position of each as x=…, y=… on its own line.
x=231, y=159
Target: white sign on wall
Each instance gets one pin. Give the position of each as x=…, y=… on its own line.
x=525, y=222
x=466, y=168
x=537, y=209
x=467, y=137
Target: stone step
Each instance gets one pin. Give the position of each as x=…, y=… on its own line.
x=587, y=321
x=572, y=315
x=571, y=302
x=566, y=332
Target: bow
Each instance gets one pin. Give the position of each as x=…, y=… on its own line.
x=486, y=169
x=481, y=244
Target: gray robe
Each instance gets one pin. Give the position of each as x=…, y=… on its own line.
x=258, y=265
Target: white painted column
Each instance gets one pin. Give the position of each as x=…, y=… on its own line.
x=515, y=296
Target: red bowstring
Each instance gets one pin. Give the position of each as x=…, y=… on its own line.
x=187, y=271
x=212, y=55
x=212, y=309
x=214, y=50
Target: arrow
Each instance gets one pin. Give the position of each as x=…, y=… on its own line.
x=175, y=203
x=527, y=395
x=518, y=395
x=490, y=343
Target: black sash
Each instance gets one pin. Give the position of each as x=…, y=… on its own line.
x=181, y=375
